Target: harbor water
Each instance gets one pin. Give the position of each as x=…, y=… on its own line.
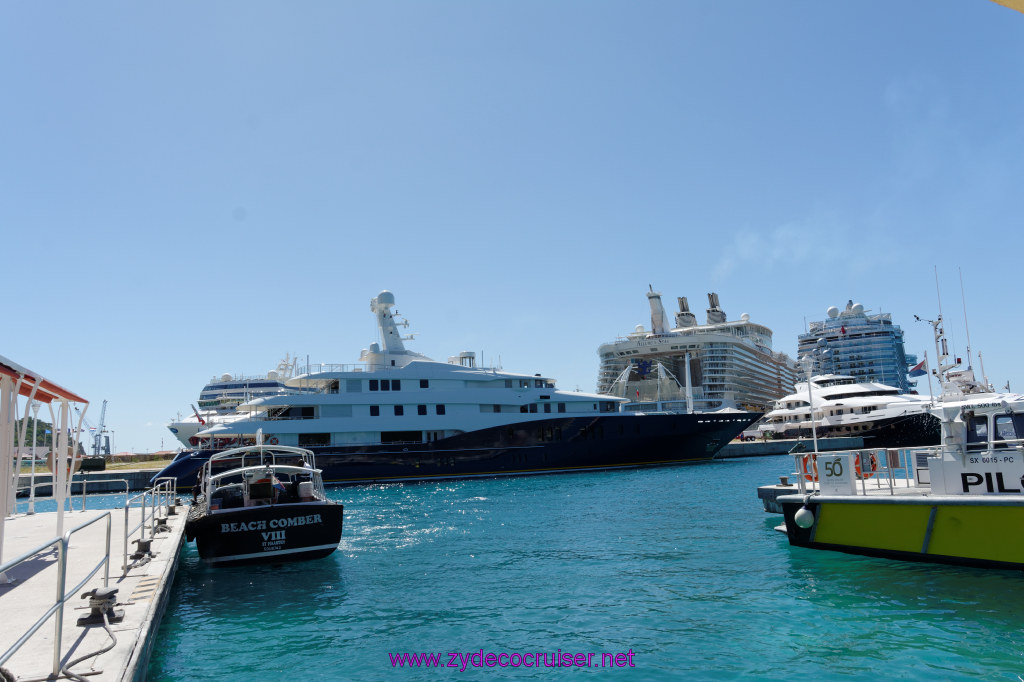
x=676, y=568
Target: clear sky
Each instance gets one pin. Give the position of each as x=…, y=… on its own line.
x=194, y=188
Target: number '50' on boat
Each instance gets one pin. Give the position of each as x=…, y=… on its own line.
x=267, y=506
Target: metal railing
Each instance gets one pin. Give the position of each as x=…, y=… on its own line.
x=157, y=497
x=886, y=464
x=63, y=594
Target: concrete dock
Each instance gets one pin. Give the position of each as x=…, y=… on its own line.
x=143, y=593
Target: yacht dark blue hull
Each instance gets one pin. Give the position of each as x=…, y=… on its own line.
x=555, y=445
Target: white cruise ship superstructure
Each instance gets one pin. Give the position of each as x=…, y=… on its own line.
x=731, y=363
x=220, y=397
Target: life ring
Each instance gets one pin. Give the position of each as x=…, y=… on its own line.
x=810, y=467
x=272, y=440
x=867, y=471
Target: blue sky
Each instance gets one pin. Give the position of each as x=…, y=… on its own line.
x=193, y=188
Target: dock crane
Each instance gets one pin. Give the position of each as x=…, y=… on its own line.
x=100, y=439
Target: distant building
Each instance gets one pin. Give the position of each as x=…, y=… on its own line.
x=865, y=347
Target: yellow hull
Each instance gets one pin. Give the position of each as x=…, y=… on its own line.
x=977, y=530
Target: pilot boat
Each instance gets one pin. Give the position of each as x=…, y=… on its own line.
x=262, y=504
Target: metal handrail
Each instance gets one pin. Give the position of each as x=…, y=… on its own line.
x=153, y=498
x=85, y=482
x=63, y=594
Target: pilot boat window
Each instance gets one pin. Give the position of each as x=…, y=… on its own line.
x=1004, y=431
x=977, y=433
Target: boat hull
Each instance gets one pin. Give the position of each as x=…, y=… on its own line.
x=543, y=446
x=268, y=534
x=981, y=530
x=915, y=430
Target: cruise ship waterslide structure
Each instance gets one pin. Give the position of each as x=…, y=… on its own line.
x=728, y=365
x=397, y=415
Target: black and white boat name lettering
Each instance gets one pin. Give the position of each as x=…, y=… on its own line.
x=273, y=523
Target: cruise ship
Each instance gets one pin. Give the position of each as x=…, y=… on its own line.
x=726, y=364
x=853, y=342
x=397, y=415
x=220, y=397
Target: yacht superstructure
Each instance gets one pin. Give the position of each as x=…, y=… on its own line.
x=398, y=415
x=731, y=365
x=880, y=414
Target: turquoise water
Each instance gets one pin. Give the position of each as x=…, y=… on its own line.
x=678, y=565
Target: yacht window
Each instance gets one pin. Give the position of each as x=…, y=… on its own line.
x=508, y=383
x=977, y=433
x=374, y=384
x=306, y=439
x=533, y=408
x=439, y=409
x=396, y=385
x=538, y=383
x=561, y=407
x=547, y=407
x=399, y=410
x=385, y=385
x=424, y=383
x=522, y=408
x=497, y=409
x=374, y=410
x=421, y=409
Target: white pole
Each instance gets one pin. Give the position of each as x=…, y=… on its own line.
x=808, y=365
x=32, y=478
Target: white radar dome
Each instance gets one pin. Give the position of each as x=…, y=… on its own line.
x=639, y=329
x=272, y=375
x=745, y=317
x=374, y=347
x=225, y=377
x=386, y=298
x=832, y=312
x=858, y=308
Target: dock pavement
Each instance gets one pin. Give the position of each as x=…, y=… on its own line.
x=143, y=593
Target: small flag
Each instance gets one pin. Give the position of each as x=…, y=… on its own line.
x=638, y=394
x=920, y=369
x=842, y=330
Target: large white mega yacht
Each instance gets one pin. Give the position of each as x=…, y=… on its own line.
x=880, y=414
x=726, y=365
x=398, y=415
x=223, y=394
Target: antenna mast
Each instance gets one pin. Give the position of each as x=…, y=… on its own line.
x=968, y=329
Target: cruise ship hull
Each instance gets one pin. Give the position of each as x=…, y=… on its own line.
x=545, y=446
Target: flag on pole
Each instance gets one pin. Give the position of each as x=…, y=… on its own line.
x=920, y=369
